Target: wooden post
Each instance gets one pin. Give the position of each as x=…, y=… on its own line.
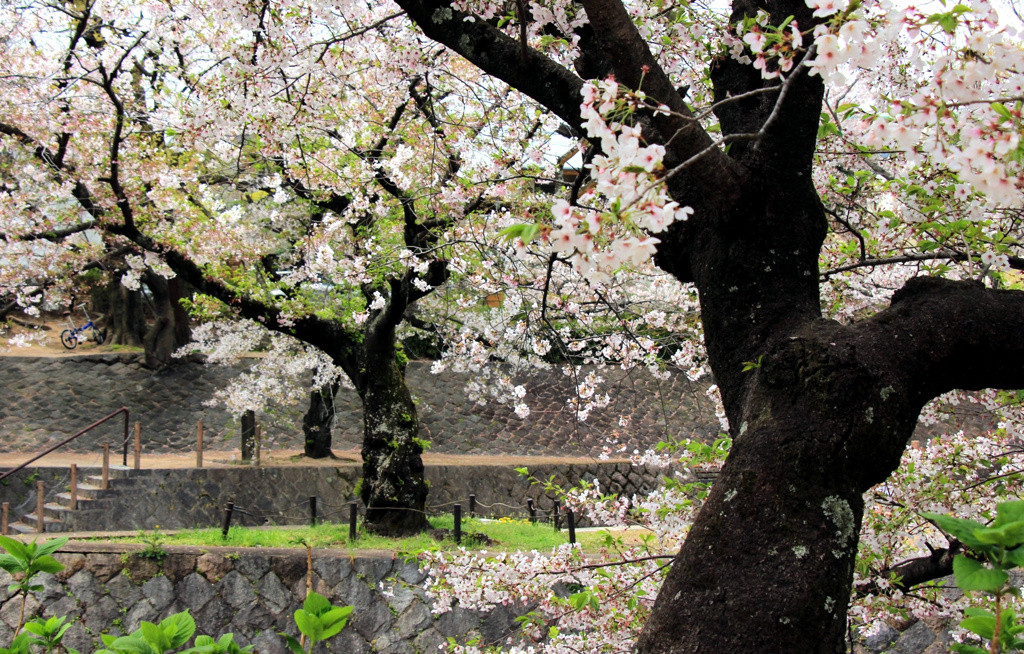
x=199, y=444
x=138, y=445
x=353, y=511
x=5, y=513
x=74, y=486
x=106, y=466
x=40, y=507
x=572, y=526
x=458, y=524
x=229, y=508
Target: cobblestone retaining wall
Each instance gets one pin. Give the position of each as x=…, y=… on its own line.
x=251, y=593
x=46, y=399
x=185, y=498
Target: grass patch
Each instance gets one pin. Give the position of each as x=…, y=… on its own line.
x=508, y=535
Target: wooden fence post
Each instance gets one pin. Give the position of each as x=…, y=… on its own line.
x=138, y=445
x=199, y=444
x=106, y=467
x=5, y=513
x=74, y=487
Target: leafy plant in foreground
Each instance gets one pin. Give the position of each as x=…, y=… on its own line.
x=1001, y=544
x=318, y=620
x=24, y=561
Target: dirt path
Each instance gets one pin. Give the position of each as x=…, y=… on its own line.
x=281, y=458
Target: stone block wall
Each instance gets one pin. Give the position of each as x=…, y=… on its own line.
x=254, y=593
x=193, y=497
x=250, y=593
x=48, y=399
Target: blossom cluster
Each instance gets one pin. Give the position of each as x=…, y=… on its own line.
x=610, y=226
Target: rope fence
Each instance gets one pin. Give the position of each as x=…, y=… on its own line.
x=353, y=510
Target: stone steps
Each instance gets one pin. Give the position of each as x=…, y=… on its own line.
x=91, y=497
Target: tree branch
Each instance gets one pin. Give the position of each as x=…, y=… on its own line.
x=500, y=55
x=941, y=335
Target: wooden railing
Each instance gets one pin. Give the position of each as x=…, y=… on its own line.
x=64, y=442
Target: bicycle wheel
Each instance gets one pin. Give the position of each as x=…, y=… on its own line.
x=69, y=339
x=99, y=336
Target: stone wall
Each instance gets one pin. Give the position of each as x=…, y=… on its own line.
x=47, y=399
x=185, y=498
x=253, y=594
x=250, y=593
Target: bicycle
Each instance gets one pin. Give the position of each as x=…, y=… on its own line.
x=69, y=337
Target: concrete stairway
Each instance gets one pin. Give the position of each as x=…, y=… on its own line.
x=59, y=516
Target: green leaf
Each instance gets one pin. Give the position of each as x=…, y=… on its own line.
x=35, y=628
x=336, y=614
x=309, y=624
x=48, y=564
x=134, y=643
x=51, y=546
x=961, y=648
x=183, y=627
x=1001, y=109
x=525, y=231
x=972, y=575
x=155, y=636
x=316, y=604
x=1009, y=512
x=293, y=643
x=960, y=528
x=14, y=547
x=10, y=563
x=984, y=626
x=1007, y=536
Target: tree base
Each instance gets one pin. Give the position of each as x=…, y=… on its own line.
x=396, y=523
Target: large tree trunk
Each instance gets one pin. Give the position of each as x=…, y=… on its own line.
x=394, y=489
x=247, y=445
x=125, y=321
x=768, y=565
x=316, y=424
x=170, y=329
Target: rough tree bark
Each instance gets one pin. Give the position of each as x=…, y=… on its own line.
x=394, y=488
x=170, y=329
x=247, y=444
x=316, y=423
x=125, y=314
x=827, y=413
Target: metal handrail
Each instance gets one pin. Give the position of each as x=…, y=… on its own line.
x=64, y=442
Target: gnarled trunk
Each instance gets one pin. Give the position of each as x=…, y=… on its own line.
x=394, y=489
x=316, y=423
x=768, y=565
x=125, y=321
x=170, y=329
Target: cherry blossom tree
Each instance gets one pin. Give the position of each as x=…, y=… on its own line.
x=279, y=174
x=813, y=148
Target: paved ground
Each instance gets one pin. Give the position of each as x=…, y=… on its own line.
x=277, y=458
